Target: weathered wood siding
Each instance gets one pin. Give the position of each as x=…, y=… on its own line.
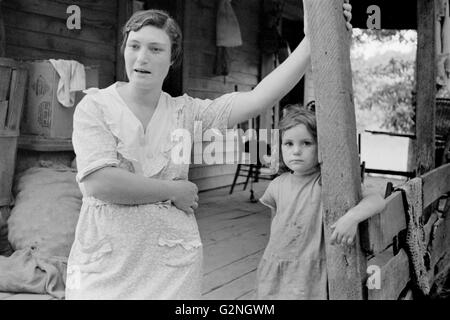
x=198, y=65
x=36, y=29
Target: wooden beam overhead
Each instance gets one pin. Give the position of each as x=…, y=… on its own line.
x=341, y=182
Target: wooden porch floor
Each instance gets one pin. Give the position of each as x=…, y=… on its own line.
x=234, y=232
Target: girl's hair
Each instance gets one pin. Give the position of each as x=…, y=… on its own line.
x=161, y=20
x=294, y=115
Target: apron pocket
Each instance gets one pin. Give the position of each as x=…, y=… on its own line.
x=91, y=258
x=179, y=252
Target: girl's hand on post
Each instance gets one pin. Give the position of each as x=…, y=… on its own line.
x=344, y=231
x=185, y=196
x=347, y=14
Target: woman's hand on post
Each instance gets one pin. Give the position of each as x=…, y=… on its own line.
x=185, y=196
x=347, y=14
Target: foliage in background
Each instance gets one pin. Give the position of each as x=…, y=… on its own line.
x=361, y=36
x=383, y=84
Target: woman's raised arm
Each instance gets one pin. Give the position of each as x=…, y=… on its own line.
x=273, y=87
x=278, y=83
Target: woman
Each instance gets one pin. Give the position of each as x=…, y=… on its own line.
x=137, y=237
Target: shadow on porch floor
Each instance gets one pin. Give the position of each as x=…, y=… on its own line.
x=234, y=232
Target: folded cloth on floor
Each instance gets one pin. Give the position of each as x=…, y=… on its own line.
x=26, y=271
x=415, y=236
x=72, y=78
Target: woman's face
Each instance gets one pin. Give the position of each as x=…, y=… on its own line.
x=147, y=57
x=299, y=150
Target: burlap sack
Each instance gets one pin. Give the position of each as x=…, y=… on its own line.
x=46, y=211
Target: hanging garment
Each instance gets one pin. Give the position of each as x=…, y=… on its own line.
x=415, y=238
x=228, y=34
x=72, y=78
x=221, y=67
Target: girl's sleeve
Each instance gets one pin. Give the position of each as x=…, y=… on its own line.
x=214, y=114
x=269, y=197
x=93, y=142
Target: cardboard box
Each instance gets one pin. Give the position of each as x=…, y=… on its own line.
x=43, y=114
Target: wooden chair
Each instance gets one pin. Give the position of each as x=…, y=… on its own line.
x=252, y=171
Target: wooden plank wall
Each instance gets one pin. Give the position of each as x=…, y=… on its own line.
x=198, y=65
x=36, y=29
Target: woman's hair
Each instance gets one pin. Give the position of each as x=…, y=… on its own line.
x=294, y=115
x=161, y=20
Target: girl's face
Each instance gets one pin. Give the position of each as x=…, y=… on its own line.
x=299, y=150
x=147, y=56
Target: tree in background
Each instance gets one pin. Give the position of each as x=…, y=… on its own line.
x=384, y=82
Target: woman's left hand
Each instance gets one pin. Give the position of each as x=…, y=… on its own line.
x=344, y=231
x=347, y=14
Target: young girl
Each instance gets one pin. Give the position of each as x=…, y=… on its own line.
x=294, y=263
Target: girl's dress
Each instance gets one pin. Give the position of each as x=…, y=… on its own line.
x=148, y=251
x=294, y=263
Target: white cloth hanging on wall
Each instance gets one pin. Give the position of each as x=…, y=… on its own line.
x=72, y=78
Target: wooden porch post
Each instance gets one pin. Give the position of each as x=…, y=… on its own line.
x=426, y=85
x=341, y=182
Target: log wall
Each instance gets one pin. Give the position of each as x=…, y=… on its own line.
x=37, y=30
